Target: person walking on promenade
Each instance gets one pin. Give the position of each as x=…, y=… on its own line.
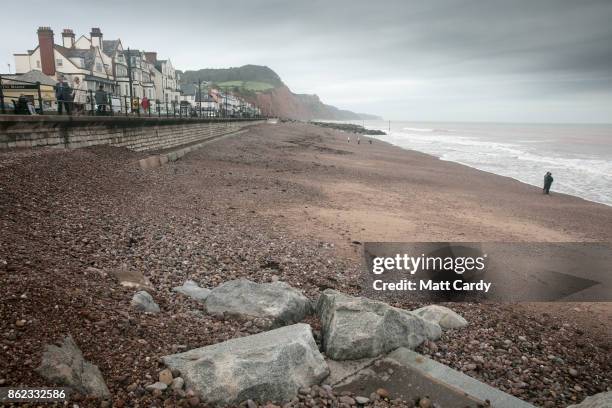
x=22, y=106
x=101, y=100
x=63, y=96
x=79, y=96
x=145, y=104
x=548, y=180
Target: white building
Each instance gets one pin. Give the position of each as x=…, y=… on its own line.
x=102, y=62
x=170, y=80
x=119, y=68
x=90, y=64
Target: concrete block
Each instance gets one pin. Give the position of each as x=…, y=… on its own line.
x=453, y=379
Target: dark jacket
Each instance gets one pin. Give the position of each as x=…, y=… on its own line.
x=101, y=98
x=548, y=179
x=63, y=91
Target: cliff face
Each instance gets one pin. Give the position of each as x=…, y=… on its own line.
x=278, y=100
x=283, y=103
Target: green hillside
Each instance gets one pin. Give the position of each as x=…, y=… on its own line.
x=252, y=78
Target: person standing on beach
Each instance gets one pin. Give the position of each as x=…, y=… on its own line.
x=548, y=179
x=349, y=139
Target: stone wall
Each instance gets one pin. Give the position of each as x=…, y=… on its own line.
x=135, y=133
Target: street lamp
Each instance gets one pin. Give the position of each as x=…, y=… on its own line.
x=199, y=94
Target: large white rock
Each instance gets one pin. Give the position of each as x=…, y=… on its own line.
x=191, y=289
x=269, y=366
x=445, y=317
x=601, y=400
x=355, y=327
x=276, y=301
x=65, y=365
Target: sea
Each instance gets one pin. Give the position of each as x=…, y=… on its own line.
x=578, y=156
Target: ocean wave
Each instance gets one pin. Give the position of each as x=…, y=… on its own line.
x=411, y=129
x=586, y=175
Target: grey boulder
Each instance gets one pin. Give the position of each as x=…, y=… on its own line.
x=269, y=366
x=277, y=301
x=144, y=302
x=445, y=317
x=601, y=400
x=192, y=290
x=355, y=327
x=65, y=365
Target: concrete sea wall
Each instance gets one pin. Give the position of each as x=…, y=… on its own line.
x=135, y=133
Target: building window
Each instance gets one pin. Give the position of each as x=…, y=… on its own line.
x=59, y=62
x=37, y=64
x=98, y=67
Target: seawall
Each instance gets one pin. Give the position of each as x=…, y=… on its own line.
x=135, y=133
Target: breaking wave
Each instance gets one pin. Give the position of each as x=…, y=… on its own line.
x=525, y=154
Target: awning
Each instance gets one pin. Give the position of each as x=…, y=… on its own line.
x=99, y=79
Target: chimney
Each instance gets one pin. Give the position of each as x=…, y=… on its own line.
x=151, y=57
x=47, y=54
x=96, y=37
x=68, y=38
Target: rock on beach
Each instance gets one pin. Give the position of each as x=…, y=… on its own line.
x=144, y=302
x=355, y=327
x=65, y=365
x=276, y=301
x=445, y=317
x=269, y=366
x=193, y=290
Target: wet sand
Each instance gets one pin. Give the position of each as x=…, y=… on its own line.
x=380, y=192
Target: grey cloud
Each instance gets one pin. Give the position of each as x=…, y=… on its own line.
x=457, y=51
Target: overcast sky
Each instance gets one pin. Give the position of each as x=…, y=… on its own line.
x=442, y=60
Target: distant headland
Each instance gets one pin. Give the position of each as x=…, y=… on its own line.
x=263, y=87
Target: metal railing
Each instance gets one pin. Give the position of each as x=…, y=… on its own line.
x=33, y=100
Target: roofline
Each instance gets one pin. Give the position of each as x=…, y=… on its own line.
x=28, y=53
x=55, y=47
